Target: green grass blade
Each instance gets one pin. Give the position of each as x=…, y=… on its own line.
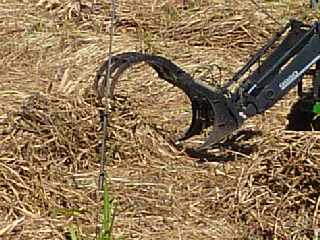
x=106, y=213
x=73, y=233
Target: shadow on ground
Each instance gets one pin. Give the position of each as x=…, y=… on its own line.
x=230, y=150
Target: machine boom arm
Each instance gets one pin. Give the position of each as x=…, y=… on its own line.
x=278, y=66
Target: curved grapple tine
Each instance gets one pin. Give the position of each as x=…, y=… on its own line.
x=209, y=106
x=196, y=125
x=119, y=64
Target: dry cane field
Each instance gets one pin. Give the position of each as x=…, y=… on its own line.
x=261, y=183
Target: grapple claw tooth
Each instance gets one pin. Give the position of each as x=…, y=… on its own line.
x=226, y=121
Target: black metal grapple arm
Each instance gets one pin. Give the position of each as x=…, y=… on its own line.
x=290, y=75
x=210, y=107
x=300, y=50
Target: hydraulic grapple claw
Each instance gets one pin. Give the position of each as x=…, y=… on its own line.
x=210, y=107
x=270, y=74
